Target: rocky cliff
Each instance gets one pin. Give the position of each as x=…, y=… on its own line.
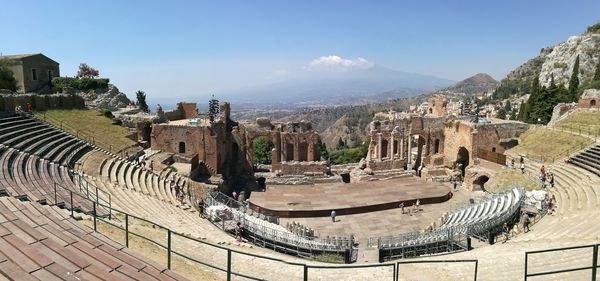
x=106, y=98
x=559, y=61
x=556, y=61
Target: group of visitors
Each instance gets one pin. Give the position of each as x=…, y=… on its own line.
x=546, y=176
x=19, y=109
x=415, y=207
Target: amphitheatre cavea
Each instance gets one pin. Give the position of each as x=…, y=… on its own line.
x=300, y=141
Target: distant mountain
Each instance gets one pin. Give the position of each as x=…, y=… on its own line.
x=354, y=86
x=476, y=84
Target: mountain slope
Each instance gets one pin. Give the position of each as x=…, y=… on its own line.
x=476, y=84
x=556, y=61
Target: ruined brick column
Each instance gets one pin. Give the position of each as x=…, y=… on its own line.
x=409, y=148
x=379, y=146
x=402, y=146
x=392, y=146
x=276, y=153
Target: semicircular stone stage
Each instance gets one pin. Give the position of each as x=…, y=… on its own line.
x=346, y=198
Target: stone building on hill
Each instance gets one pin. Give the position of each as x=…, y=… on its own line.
x=32, y=72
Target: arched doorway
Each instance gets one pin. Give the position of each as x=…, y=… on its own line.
x=592, y=103
x=462, y=160
x=262, y=148
x=480, y=181
x=182, y=147
x=289, y=152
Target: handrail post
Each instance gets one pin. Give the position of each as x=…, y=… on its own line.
x=594, y=262
x=127, y=230
x=169, y=249
x=97, y=198
x=109, y=207
x=475, y=276
x=95, y=216
x=228, y=265
x=305, y=272
x=55, y=196
x=525, y=275
x=71, y=193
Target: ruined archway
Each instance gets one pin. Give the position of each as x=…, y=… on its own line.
x=289, y=152
x=479, y=182
x=592, y=103
x=462, y=160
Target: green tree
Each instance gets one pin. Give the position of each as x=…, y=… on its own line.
x=574, y=81
x=261, y=151
x=513, y=115
x=508, y=106
x=7, y=80
x=340, y=144
x=141, y=101
x=501, y=114
x=86, y=71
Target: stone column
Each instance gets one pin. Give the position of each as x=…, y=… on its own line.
x=402, y=146
x=409, y=153
x=392, y=147
x=296, y=149
x=310, y=151
x=379, y=146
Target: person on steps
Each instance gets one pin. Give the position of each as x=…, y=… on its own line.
x=333, y=214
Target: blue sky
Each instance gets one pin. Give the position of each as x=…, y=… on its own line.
x=197, y=48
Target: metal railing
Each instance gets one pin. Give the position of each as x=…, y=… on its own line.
x=593, y=267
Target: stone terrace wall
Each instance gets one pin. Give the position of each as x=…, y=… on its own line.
x=8, y=102
x=301, y=168
x=385, y=164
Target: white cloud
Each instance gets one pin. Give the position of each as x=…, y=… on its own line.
x=334, y=62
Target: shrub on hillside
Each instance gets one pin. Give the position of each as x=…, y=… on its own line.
x=594, y=28
x=84, y=84
x=106, y=113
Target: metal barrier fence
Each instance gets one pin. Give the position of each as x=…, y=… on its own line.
x=592, y=268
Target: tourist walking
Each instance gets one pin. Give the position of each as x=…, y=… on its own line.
x=543, y=170
x=417, y=205
x=522, y=168
x=512, y=163
x=525, y=222
x=402, y=207
x=333, y=214
x=455, y=183
x=238, y=232
x=551, y=179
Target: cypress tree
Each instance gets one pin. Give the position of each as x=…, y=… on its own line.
x=574, y=81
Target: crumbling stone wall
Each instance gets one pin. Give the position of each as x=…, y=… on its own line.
x=392, y=133
x=8, y=102
x=291, y=141
x=184, y=110
x=303, y=168
x=386, y=164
